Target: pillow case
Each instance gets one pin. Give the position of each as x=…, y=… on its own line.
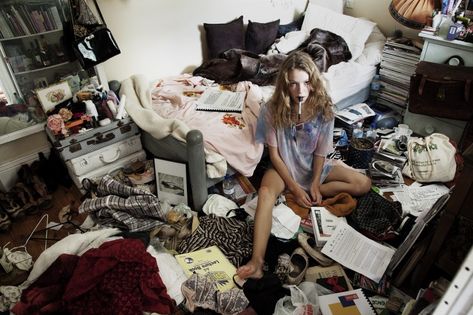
x=223, y=36
x=353, y=30
x=291, y=27
x=260, y=36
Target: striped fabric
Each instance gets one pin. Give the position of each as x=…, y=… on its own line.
x=232, y=236
x=125, y=207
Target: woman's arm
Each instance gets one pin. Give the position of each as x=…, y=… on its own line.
x=301, y=197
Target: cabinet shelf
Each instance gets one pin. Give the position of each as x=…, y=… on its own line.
x=44, y=68
x=31, y=35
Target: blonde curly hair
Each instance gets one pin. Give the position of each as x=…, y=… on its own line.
x=318, y=100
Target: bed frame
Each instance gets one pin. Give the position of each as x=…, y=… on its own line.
x=191, y=153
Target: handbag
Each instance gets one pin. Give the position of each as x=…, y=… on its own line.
x=430, y=159
x=94, y=42
x=442, y=90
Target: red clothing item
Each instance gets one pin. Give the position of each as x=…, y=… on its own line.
x=119, y=277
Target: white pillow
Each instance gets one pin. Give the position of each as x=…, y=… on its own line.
x=334, y=5
x=353, y=30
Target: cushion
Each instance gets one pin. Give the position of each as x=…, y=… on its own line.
x=353, y=30
x=334, y=5
x=291, y=27
x=224, y=36
x=259, y=36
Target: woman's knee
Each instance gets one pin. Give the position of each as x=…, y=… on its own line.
x=362, y=185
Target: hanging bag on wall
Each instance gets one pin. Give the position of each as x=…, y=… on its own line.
x=431, y=159
x=442, y=90
x=94, y=42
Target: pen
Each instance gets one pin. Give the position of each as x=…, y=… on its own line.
x=300, y=108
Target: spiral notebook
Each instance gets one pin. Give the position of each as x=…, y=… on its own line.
x=353, y=302
x=221, y=101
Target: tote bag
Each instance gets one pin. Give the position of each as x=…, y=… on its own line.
x=430, y=159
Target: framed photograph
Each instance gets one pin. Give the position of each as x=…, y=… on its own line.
x=171, y=181
x=53, y=95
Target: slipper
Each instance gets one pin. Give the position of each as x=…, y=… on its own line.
x=239, y=283
x=308, y=244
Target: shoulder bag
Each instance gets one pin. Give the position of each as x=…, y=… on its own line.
x=94, y=42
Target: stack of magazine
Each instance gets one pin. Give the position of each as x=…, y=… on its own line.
x=386, y=166
x=398, y=63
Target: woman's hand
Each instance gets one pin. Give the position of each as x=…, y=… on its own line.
x=315, y=193
x=301, y=197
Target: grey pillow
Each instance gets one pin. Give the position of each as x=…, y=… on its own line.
x=260, y=36
x=223, y=36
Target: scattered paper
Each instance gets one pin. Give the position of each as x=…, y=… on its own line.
x=221, y=101
x=417, y=199
x=355, y=251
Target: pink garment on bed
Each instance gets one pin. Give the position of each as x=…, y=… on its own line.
x=230, y=134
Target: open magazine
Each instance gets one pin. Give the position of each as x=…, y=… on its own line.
x=355, y=113
x=221, y=101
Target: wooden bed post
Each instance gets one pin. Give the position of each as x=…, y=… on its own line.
x=197, y=169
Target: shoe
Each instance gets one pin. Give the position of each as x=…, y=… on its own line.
x=308, y=244
x=298, y=265
x=283, y=267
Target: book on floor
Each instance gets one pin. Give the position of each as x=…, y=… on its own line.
x=211, y=262
x=324, y=224
x=332, y=277
x=216, y=100
x=353, y=302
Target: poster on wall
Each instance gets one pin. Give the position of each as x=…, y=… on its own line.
x=171, y=181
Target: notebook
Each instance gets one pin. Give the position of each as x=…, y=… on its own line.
x=221, y=101
x=353, y=302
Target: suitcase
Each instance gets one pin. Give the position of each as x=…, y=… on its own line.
x=98, y=173
x=102, y=157
x=94, y=139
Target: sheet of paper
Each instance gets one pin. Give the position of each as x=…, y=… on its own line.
x=416, y=200
x=355, y=251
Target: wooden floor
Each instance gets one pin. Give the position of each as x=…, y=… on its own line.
x=22, y=228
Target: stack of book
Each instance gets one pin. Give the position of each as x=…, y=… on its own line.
x=398, y=63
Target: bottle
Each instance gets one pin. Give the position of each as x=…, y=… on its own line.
x=375, y=86
x=44, y=52
x=358, y=130
x=228, y=187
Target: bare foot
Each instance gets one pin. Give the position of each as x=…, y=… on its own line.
x=250, y=270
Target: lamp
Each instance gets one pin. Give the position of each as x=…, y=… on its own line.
x=412, y=13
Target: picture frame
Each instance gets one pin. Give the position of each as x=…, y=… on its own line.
x=171, y=181
x=53, y=95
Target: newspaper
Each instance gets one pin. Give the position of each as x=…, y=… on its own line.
x=355, y=251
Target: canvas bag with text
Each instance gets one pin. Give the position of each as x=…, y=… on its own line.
x=430, y=159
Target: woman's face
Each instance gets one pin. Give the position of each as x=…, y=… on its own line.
x=298, y=85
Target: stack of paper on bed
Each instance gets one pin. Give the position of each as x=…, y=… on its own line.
x=221, y=101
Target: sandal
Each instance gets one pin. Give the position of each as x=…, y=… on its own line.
x=9, y=204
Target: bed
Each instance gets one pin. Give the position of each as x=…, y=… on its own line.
x=172, y=129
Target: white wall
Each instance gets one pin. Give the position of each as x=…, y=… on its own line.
x=164, y=37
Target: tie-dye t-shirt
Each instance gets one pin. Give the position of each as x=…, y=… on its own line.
x=298, y=144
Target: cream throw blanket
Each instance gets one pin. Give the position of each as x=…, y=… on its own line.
x=138, y=106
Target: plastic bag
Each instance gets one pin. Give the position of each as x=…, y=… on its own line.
x=304, y=300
